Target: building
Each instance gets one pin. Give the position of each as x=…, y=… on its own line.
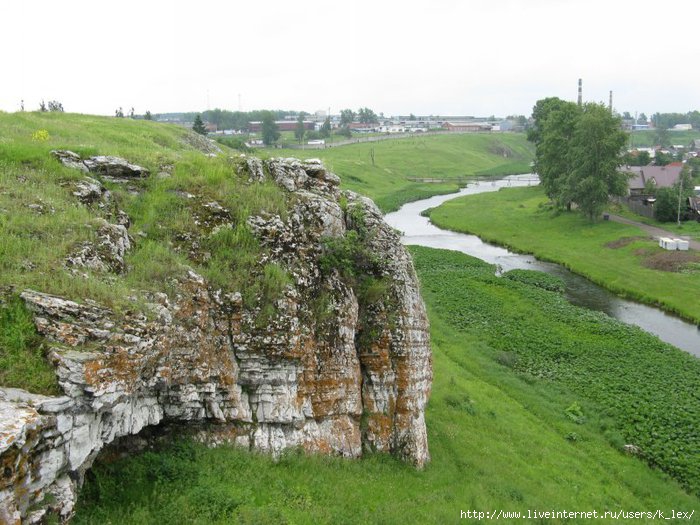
x=466, y=126
x=658, y=176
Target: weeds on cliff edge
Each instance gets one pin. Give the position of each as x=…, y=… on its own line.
x=173, y=212
x=23, y=362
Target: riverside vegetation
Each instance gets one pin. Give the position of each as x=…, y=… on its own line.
x=519, y=418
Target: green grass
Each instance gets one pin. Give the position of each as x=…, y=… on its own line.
x=686, y=228
x=163, y=210
x=532, y=398
x=500, y=436
x=444, y=156
x=636, y=389
x=519, y=219
x=172, y=225
x=647, y=138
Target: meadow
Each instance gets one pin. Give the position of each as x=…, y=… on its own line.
x=622, y=258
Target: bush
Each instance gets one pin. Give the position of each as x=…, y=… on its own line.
x=22, y=360
x=535, y=278
x=666, y=205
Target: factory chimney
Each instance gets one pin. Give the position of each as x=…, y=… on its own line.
x=580, y=92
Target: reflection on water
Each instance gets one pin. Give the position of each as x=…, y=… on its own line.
x=579, y=291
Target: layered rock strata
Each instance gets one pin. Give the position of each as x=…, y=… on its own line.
x=335, y=370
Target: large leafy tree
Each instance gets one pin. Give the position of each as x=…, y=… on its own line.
x=347, y=116
x=595, y=154
x=366, y=116
x=578, y=151
x=554, y=121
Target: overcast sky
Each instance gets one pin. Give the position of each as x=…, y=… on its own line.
x=440, y=57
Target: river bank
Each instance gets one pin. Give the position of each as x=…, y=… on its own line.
x=622, y=258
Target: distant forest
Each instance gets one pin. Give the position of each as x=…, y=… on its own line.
x=668, y=120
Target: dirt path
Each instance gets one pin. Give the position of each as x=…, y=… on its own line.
x=654, y=231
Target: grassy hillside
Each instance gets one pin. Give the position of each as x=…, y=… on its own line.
x=42, y=222
x=444, y=156
x=621, y=258
x=510, y=428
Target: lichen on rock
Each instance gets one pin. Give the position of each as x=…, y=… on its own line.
x=343, y=364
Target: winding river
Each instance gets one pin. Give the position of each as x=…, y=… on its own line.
x=579, y=290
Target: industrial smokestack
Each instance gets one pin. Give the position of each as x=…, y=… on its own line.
x=580, y=92
x=610, y=103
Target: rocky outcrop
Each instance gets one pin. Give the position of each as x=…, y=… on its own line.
x=337, y=369
x=106, y=253
x=106, y=166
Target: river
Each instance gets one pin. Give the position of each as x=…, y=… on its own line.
x=579, y=290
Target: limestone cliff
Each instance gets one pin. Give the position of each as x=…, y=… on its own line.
x=342, y=365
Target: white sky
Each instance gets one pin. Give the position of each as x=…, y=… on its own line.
x=440, y=57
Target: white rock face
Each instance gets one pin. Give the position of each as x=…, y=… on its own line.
x=355, y=378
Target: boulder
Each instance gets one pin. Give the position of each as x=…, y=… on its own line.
x=114, y=167
x=107, y=166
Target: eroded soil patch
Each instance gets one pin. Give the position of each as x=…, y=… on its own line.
x=624, y=241
x=669, y=261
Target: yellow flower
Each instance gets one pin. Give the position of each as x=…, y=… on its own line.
x=41, y=135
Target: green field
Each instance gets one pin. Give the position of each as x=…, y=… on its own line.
x=647, y=138
x=395, y=161
x=520, y=219
x=513, y=424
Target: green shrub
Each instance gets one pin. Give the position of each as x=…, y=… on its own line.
x=22, y=360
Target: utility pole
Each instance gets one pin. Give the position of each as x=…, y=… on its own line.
x=680, y=192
